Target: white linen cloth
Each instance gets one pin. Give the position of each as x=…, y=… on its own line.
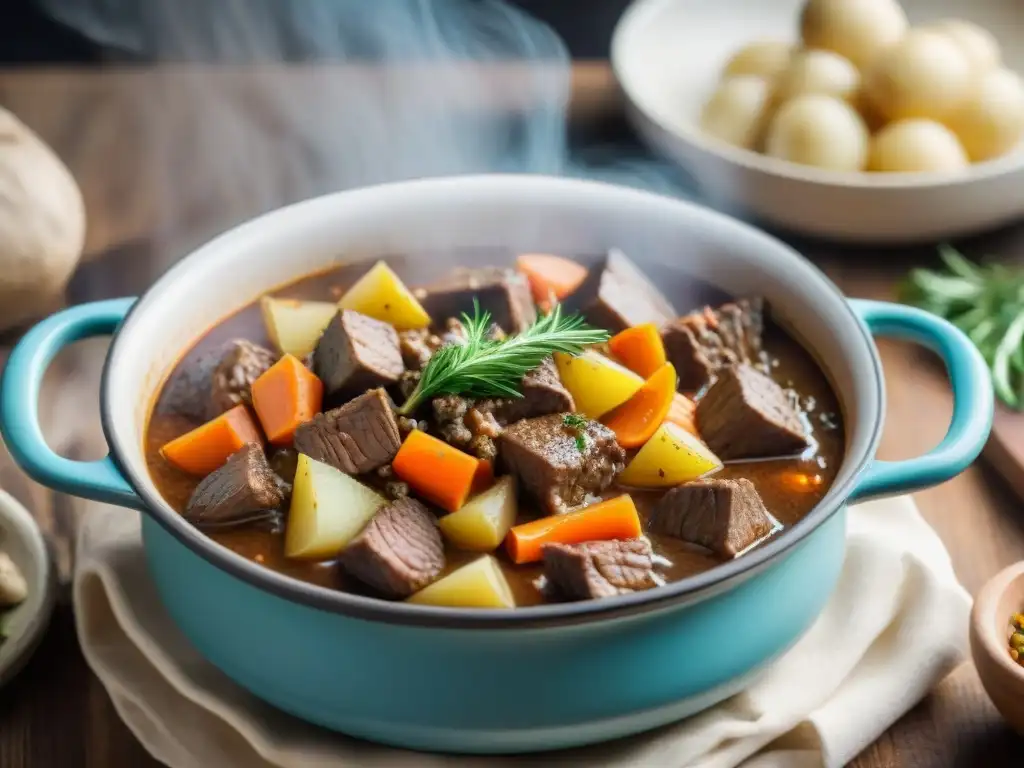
x=895, y=626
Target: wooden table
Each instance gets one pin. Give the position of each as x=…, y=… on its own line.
x=57, y=714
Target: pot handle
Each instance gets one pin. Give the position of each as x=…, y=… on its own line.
x=19, y=405
x=972, y=400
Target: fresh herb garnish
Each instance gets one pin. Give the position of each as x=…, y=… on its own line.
x=483, y=367
x=986, y=302
x=578, y=423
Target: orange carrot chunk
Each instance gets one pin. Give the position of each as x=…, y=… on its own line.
x=639, y=348
x=682, y=412
x=615, y=518
x=550, y=277
x=484, y=476
x=284, y=396
x=435, y=470
x=638, y=418
x=207, y=447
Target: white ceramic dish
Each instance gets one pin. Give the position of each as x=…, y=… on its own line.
x=667, y=55
x=21, y=538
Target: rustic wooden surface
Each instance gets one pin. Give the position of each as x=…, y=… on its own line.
x=57, y=714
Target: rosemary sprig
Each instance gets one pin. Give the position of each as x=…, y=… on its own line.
x=986, y=302
x=483, y=367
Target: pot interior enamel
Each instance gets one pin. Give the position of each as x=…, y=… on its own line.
x=675, y=242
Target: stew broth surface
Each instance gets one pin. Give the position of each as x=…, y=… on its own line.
x=789, y=487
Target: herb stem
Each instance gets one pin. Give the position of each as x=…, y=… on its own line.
x=485, y=367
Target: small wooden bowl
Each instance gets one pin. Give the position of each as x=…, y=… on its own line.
x=999, y=599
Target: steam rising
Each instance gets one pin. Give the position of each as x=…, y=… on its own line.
x=375, y=90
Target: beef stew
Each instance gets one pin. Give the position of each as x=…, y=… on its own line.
x=522, y=411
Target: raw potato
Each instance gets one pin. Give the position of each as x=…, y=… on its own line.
x=596, y=383
x=672, y=456
x=382, y=295
x=481, y=524
x=42, y=224
x=856, y=29
x=294, y=326
x=479, y=584
x=975, y=42
x=916, y=146
x=924, y=75
x=736, y=111
x=822, y=72
x=328, y=509
x=13, y=587
x=991, y=121
x=821, y=131
x=763, y=58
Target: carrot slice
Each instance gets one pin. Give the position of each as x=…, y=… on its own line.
x=284, y=396
x=435, y=470
x=638, y=418
x=639, y=348
x=615, y=518
x=483, y=478
x=550, y=277
x=682, y=413
x=207, y=447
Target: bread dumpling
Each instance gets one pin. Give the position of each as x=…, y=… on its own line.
x=821, y=131
x=735, y=112
x=924, y=75
x=855, y=29
x=991, y=121
x=916, y=145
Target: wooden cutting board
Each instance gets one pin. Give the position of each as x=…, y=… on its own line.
x=1005, y=448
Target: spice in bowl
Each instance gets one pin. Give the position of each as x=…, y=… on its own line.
x=1017, y=638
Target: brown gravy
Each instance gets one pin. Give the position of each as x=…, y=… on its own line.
x=790, y=487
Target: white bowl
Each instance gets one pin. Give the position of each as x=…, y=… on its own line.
x=667, y=55
x=21, y=538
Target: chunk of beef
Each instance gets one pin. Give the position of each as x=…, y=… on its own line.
x=725, y=516
x=355, y=353
x=399, y=552
x=561, y=464
x=543, y=393
x=241, y=363
x=243, y=490
x=188, y=390
x=616, y=295
x=599, y=568
x=476, y=423
x=356, y=437
x=746, y=415
x=503, y=292
x=701, y=344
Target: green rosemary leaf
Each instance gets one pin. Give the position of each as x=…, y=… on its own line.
x=986, y=302
x=484, y=367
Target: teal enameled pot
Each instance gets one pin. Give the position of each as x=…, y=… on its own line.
x=476, y=680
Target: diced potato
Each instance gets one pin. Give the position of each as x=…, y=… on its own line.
x=597, y=383
x=328, y=509
x=381, y=294
x=672, y=456
x=295, y=326
x=482, y=522
x=479, y=584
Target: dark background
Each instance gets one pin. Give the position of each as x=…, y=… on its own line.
x=29, y=37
